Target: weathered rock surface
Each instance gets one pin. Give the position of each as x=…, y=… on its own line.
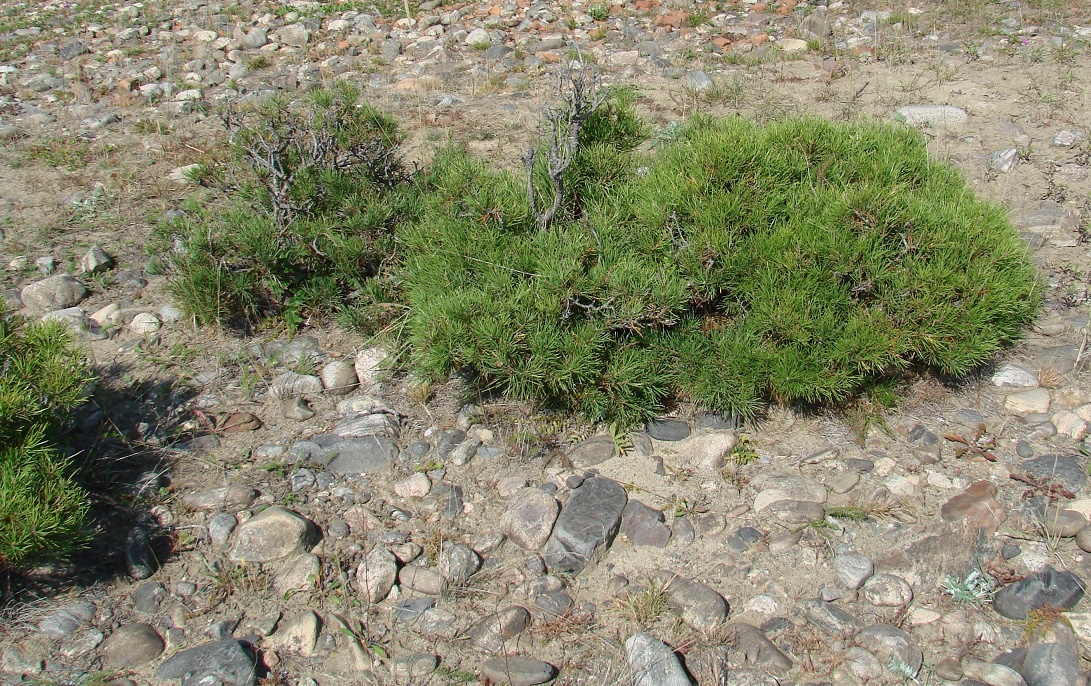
x=588, y=522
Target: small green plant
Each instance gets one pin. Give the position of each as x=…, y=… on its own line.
x=903, y=669
x=852, y=513
x=687, y=507
x=696, y=19
x=646, y=606
x=459, y=676
x=280, y=468
x=621, y=440
x=743, y=453
x=227, y=578
x=259, y=62
x=70, y=153
x=429, y=466
x=976, y=588
x=42, y=507
x=599, y=12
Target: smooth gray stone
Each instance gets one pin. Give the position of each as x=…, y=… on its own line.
x=228, y=662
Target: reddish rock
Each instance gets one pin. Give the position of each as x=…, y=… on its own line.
x=976, y=505
x=676, y=19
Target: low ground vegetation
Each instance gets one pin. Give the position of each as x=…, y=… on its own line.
x=42, y=507
x=800, y=261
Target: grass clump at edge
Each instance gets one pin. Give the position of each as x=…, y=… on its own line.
x=42, y=508
x=797, y=262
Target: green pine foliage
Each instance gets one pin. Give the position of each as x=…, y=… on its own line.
x=799, y=262
x=314, y=193
x=737, y=264
x=42, y=508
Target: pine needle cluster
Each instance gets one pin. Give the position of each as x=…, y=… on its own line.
x=42, y=508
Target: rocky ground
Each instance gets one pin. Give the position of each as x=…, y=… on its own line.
x=292, y=511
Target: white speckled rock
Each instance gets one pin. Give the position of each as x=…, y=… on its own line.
x=145, y=324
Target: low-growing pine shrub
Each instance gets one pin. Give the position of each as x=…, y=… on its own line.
x=309, y=199
x=42, y=508
x=799, y=262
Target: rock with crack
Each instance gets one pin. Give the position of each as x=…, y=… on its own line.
x=1048, y=587
x=587, y=525
x=530, y=517
x=653, y=663
x=490, y=634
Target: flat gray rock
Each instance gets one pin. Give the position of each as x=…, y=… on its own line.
x=517, y=671
x=759, y=650
x=829, y=618
x=587, y=525
x=1062, y=469
x=887, y=642
x=366, y=455
x=667, y=429
x=491, y=633
x=932, y=115
x=147, y=597
x=796, y=511
x=68, y=619
x=139, y=558
x=853, y=569
x=644, y=526
x=1051, y=664
x=422, y=580
x=228, y=662
x=700, y=606
x=234, y=497
x=591, y=452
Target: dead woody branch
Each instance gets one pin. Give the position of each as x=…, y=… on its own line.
x=578, y=94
